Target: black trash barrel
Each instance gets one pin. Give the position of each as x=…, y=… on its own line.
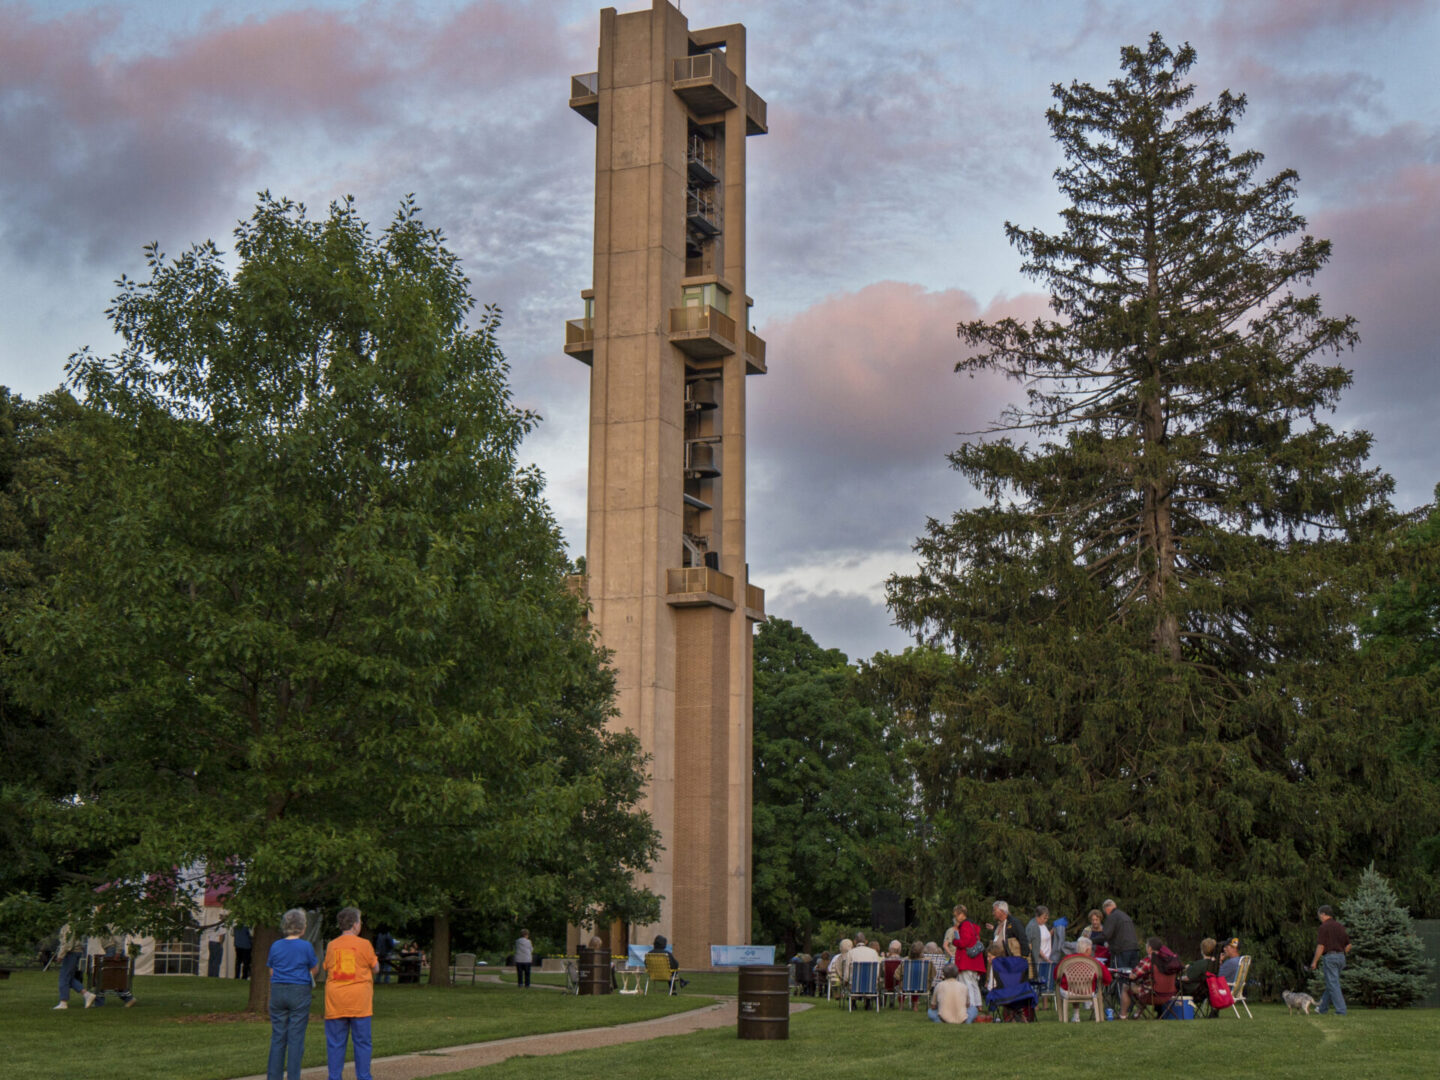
x=764, y=1002
x=594, y=971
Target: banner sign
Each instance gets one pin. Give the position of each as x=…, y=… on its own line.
x=635, y=954
x=741, y=955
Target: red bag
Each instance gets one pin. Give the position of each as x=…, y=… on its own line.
x=1220, y=996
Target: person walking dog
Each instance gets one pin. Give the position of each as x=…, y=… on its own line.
x=1331, y=949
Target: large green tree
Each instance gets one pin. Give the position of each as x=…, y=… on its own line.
x=827, y=808
x=40, y=759
x=308, y=612
x=1153, y=690
x=1402, y=650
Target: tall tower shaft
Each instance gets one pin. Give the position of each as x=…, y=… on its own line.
x=667, y=336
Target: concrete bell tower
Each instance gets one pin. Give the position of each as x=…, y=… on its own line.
x=666, y=332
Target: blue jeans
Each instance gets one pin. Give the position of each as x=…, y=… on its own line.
x=357, y=1029
x=69, y=965
x=1331, y=965
x=289, y=1013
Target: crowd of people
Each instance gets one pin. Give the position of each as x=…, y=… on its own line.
x=1131, y=973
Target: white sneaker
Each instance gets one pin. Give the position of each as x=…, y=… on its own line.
x=63, y=1005
x=89, y=999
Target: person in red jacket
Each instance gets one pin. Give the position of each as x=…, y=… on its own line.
x=971, y=967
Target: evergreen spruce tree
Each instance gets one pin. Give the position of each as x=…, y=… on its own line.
x=1154, y=692
x=1387, y=967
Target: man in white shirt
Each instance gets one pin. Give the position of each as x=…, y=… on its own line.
x=862, y=951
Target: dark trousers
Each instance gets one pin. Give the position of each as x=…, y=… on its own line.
x=522, y=974
x=242, y=963
x=289, y=1013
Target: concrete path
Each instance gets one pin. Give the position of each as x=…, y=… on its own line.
x=451, y=1059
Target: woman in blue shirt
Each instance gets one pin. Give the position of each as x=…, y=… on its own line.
x=292, y=963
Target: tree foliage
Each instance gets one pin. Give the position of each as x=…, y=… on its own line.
x=1387, y=967
x=40, y=760
x=827, y=807
x=1402, y=646
x=1151, y=687
x=310, y=611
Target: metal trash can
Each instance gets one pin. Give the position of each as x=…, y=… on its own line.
x=764, y=1002
x=594, y=971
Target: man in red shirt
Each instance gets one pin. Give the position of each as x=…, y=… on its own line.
x=1331, y=950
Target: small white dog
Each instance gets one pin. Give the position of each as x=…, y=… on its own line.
x=1296, y=1000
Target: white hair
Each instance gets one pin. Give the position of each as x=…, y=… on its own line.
x=1002, y=906
x=1084, y=945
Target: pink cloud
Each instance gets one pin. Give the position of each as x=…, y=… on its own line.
x=105, y=149
x=868, y=377
x=1284, y=20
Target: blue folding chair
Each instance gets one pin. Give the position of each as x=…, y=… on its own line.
x=864, y=983
x=1044, y=980
x=914, y=980
x=1012, y=993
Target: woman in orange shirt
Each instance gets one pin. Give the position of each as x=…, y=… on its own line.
x=350, y=967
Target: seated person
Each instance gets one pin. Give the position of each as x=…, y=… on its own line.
x=950, y=1000
x=840, y=963
x=937, y=959
x=662, y=945
x=890, y=968
x=994, y=950
x=1230, y=961
x=1192, y=979
x=1140, y=989
x=1085, y=949
x=821, y=971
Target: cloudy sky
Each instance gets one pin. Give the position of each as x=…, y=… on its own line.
x=902, y=136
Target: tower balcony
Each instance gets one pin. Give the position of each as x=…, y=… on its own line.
x=585, y=95
x=702, y=332
x=695, y=586
x=705, y=84
x=754, y=603
x=754, y=354
x=754, y=113
x=702, y=212
x=700, y=158
x=580, y=339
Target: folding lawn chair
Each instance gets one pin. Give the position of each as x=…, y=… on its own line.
x=1013, y=995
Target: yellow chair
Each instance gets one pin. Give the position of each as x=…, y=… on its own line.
x=1237, y=990
x=657, y=966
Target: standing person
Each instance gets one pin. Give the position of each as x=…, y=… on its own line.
x=969, y=960
x=1331, y=949
x=293, y=964
x=385, y=948
x=1037, y=936
x=524, y=957
x=350, y=967
x=217, y=954
x=1008, y=934
x=243, y=944
x=1120, y=936
x=950, y=942
x=72, y=950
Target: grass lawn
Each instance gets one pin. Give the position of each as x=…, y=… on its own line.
x=826, y=1042
x=184, y=1028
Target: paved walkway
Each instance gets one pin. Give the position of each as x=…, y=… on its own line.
x=451, y=1059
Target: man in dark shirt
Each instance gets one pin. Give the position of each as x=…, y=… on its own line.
x=1333, y=947
x=1121, y=937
